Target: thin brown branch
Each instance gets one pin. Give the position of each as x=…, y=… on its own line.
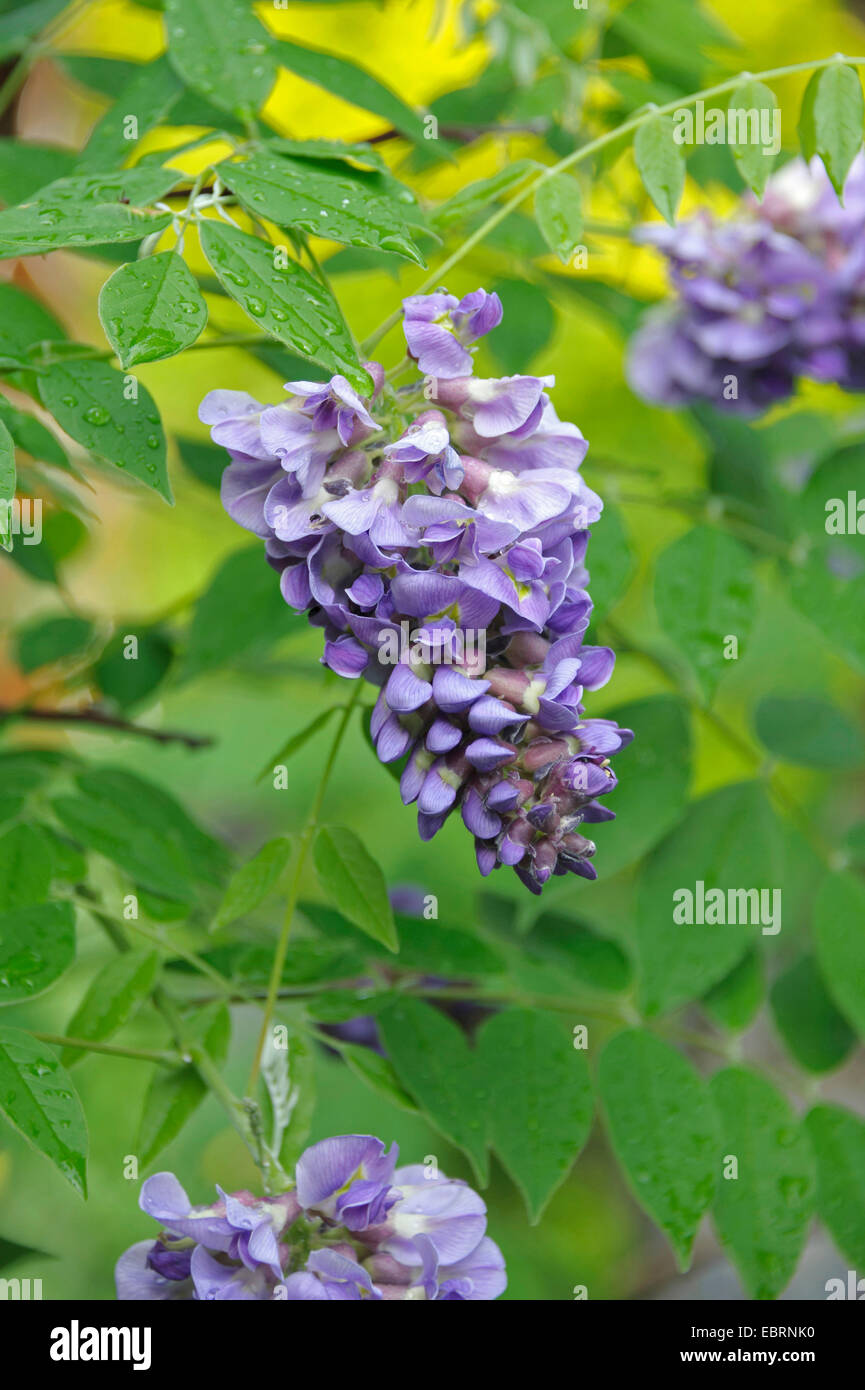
x=95, y=718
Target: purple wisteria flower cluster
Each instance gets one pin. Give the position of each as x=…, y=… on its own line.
x=774, y=293
x=354, y=1227
x=437, y=533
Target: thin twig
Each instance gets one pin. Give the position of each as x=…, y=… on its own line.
x=95, y=718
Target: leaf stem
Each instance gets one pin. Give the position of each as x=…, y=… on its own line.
x=585, y=152
x=305, y=841
x=140, y=1054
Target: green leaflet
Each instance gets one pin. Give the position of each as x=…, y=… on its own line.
x=349, y=206
x=352, y=83
x=434, y=1063
x=151, y=309
x=37, y=943
x=539, y=1101
x=221, y=51
x=729, y=840
x=830, y=123
x=663, y=1130
x=661, y=164
x=752, y=156
x=87, y=210
x=559, y=214
x=101, y=411
x=37, y=1097
x=254, y=882
x=765, y=1194
x=283, y=298
x=353, y=880
x=113, y=997
x=175, y=1094
x=704, y=594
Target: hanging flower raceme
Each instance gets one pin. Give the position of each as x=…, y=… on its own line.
x=437, y=533
x=354, y=1227
x=774, y=293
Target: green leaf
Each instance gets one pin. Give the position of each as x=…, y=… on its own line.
x=654, y=779
x=463, y=205
x=839, y=935
x=581, y=953
x=435, y=949
x=108, y=76
x=87, y=210
x=661, y=164
x=129, y=680
x=254, y=882
x=729, y=841
x=90, y=401
x=540, y=1103
x=175, y=1094
x=26, y=866
x=241, y=612
x=8, y=482
x=376, y=1072
x=761, y=1215
x=24, y=22
x=51, y=640
x=559, y=214
x=25, y=167
x=298, y=740
x=833, y=601
x=146, y=101
x=352, y=83
x=754, y=160
x=11, y=1252
x=363, y=156
x=151, y=309
x=221, y=51
x=734, y=1001
x=815, y=1032
x=33, y=437
x=433, y=1061
x=284, y=299
x=113, y=997
x=663, y=1131
x=670, y=35
x=838, y=1141
x=704, y=593
x=39, y=1100
x=354, y=883
x=348, y=206
x=23, y=322
x=37, y=944
x=808, y=731
x=831, y=120
x=149, y=858
x=157, y=811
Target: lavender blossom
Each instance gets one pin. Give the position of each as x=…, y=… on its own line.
x=774, y=293
x=354, y=1227
x=463, y=527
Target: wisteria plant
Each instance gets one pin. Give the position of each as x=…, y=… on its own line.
x=616, y=923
